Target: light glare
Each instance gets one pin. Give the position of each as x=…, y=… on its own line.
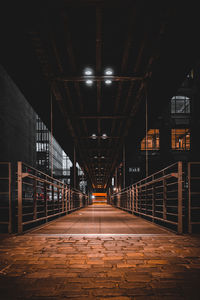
x=89, y=82
x=104, y=136
x=94, y=136
x=88, y=71
x=108, y=81
x=109, y=71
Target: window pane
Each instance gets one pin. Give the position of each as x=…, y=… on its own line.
x=153, y=141
x=180, y=139
x=180, y=105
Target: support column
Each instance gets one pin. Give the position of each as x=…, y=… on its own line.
x=74, y=168
x=124, y=167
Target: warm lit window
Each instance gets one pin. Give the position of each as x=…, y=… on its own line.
x=180, y=139
x=180, y=105
x=153, y=142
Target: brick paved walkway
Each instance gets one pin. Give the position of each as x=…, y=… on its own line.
x=101, y=219
x=41, y=266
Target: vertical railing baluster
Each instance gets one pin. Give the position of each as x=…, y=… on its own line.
x=52, y=197
x=136, y=198
x=45, y=202
x=19, y=192
x=9, y=199
x=180, y=197
x=133, y=199
x=63, y=197
x=153, y=201
x=34, y=199
x=189, y=198
x=164, y=199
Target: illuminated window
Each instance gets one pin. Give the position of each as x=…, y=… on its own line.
x=180, y=139
x=180, y=105
x=153, y=141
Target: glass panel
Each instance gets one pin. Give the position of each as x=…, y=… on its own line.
x=180, y=139
x=153, y=141
x=180, y=105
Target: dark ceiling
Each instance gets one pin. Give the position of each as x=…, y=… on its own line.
x=149, y=45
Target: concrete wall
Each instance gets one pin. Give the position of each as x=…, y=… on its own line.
x=17, y=123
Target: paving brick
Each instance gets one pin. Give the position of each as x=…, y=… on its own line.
x=95, y=262
x=36, y=267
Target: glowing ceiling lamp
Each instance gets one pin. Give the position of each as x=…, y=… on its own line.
x=94, y=136
x=108, y=81
x=104, y=136
x=89, y=82
x=88, y=72
x=108, y=71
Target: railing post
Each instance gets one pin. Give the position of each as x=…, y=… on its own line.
x=153, y=201
x=66, y=198
x=45, y=201
x=189, y=198
x=133, y=199
x=145, y=209
x=10, y=202
x=140, y=198
x=164, y=199
x=58, y=199
x=63, y=197
x=35, y=199
x=136, y=198
x=70, y=199
x=180, y=198
x=19, y=192
x=52, y=197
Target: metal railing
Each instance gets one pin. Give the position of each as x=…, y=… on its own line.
x=42, y=197
x=194, y=196
x=159, y=197
x=5, y=196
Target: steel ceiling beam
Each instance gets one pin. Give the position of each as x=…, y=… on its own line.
x=98, y=78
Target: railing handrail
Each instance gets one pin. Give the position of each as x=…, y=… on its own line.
x=53, y=178
x=39, y=171
x=159, y=196
x=143, y=179
x=49, y=198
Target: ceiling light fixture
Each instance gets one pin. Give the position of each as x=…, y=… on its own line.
x=88, y=72
x=89, y=82
x=104, y=136
x=94, y=136
x=108, y=71
x=108, y=81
